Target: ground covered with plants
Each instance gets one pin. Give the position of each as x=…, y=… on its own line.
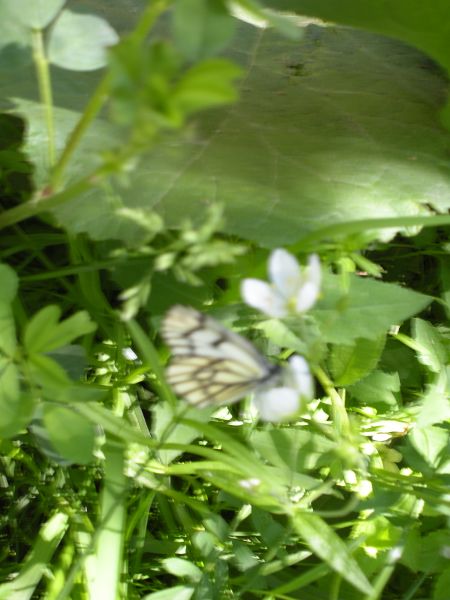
x=224, y=300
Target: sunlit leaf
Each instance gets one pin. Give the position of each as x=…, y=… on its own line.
x=351, y=363
x=330, y=548
x=366, y=310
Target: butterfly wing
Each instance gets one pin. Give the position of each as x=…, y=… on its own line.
x=211, y=364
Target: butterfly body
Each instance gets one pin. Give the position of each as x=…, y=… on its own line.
x=211, y=364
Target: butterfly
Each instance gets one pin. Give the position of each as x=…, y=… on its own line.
x=210, y=364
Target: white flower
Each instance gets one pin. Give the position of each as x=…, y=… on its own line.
x=249, y=484
x=291, y=288
x=285, y=401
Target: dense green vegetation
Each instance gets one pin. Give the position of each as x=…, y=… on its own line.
x=155, y=153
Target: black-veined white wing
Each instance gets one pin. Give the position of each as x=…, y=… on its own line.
x=211, y=364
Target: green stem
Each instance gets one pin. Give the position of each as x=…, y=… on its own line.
x=113, y=425
x=384, y=575
x=74, y=269
x=335, y=587
x=151, y=358
x=110, y=540
x=381, y=582
x=100, y=96
x=94, y=106
x=148, y=18
x=40, y=254
x=45, y=203
x=34, y=564
x=311, y=240
x=340, y=416
x=89, y=284
x=410, y=343
x=349, y=507
x=139, y=521
x=45, y=89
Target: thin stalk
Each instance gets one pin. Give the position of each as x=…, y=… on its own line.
x=110, y=540
x=37, y=251
x=74, y=270
x=44, y=203
x=311, y=240
x=139, y=520
x=151, y=358
x=89, y=284
x=92, y=109
x=335, y=587
x=100, y=95
x=112, y=424
x=381, y=582
x=35, y=564
x=340, y=416
x=45, y=90
x=409, y=595
x=148, y=18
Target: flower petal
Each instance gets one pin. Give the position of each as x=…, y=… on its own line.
x=306, y=297
x=262, y=296
x=314, y=270
x=301, y=376
x=285, y=273
x=308, y=291
x=277, y=404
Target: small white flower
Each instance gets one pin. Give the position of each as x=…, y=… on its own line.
x=129, y=354
x=277, y=404
x=249, y=484
x=383, y=430
x=300, y=376
x=287, y=400
x=291, y=288
x=395, y=554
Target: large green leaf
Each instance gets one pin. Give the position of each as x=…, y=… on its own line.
x=367, y=309
x=349, y=364
x=431, y=351
x=435, y=404
x=377, y=389
x=422, y=24
x=330, y=548
x=339, y=127
x=432, y=443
